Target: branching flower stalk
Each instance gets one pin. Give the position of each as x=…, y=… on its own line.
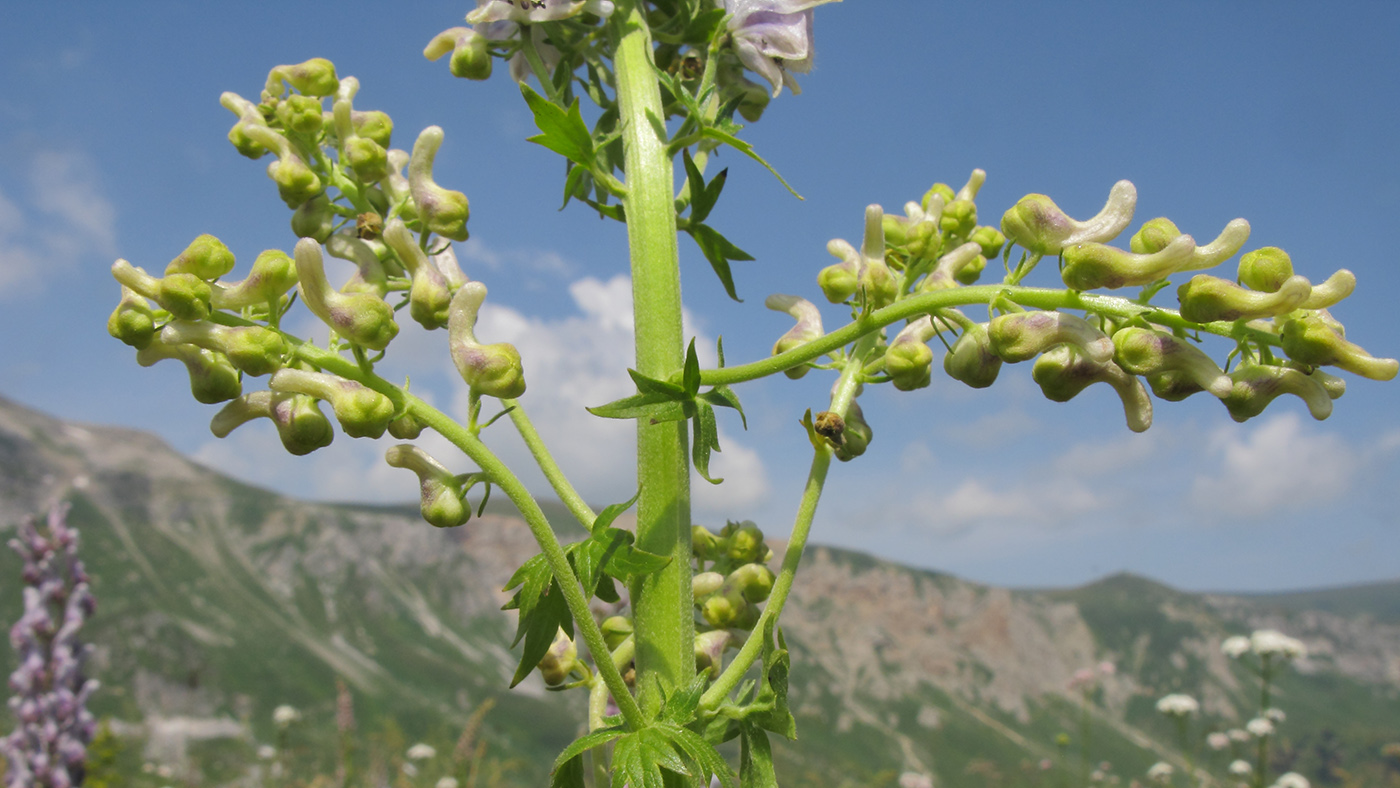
x=669, y=79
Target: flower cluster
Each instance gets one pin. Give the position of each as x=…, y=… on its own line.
x=53, y=726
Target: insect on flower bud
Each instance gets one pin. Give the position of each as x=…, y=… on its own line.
x=856, y=437
x=206, y=258
x=972, y=359
x=440, y=491
x=362, y=412
x=491, y=370
x=1038, y=224
x=361, y=318
x=443, y=211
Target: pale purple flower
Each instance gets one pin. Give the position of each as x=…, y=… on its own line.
x=773, y=38
x=532, y=11
x=48, y=748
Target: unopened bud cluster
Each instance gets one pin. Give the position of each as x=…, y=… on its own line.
x=357, y=199
x=53, y=727
x=1283, y=331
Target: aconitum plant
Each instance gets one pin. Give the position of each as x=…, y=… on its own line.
x=53, y=727
x=696, y=657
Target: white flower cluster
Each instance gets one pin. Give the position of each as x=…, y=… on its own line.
x=421, y=752
x=1260, y=727
x=1240, y=768
x=1291, y=780
x=1160, y=772
x=285, y=715
x=1178, y=705
x=1264, y=643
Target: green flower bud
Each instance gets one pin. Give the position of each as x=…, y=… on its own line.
x=753, y=581
x=396, y=188
x=753, y=99
x=300, y=115
x=252, y=349
x=808, y=328
x=406, y=427
x=273, y=274
x=1154, y=236
x=972, y=360
x=212, y=378
x=616, y=630
x=908, y=359
x=315, y=77
x=746, y=543
x=1093, y=265
x=705, y=545
x=959, y=218
x=369, y=277
x=248, y=115
x=856, y=437
x=989, y=239
x=443, y=211
x=709, y=649
x=185, y=296
x=705, y=583
x=296, y=182
x=471, y=52
x=362, y=412
x=428, y=296
x=1206, y=299
x=560, y=660
x=721, y=611
x=136, y=279
x=446, y=262
x=1230, y=240
x=1310, y=339
x=300, y=424
x=374, y=125
x=132, y=321
x=358, y=317
x=206, y=258
x=1144, y=351
x=949, y=269
x=1265, y=269
x=314, y=218
x=1173, y=386
x=1038, y=224
x=440, y=492
x=1256, y=385
x=491, y=370
x=973, y=185
x=368, y=159
x=940, y=192
x=972, y=271
x=896, y=229
x=1329, y=293
x=1063, y=372
x=840, y=281
x=1019, y=336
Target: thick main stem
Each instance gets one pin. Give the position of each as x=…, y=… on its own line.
x=661, y=602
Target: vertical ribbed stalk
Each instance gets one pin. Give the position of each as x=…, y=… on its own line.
x=661, y=602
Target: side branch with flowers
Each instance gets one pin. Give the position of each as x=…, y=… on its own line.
x=696, y=657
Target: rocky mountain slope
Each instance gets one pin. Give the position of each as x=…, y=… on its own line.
x=219, y=602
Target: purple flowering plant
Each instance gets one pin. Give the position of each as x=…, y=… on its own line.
x=691, y=655
x=53, y=727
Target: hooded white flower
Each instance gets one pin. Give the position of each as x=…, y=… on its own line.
x=773, y=38
x=533, y=11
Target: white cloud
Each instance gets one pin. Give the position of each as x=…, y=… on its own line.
x=61, y=218
x=1276, y=465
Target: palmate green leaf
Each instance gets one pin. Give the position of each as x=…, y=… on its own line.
x=587, y=742
x=653, y=407
x=680, y=705
x=610, y=551
x=755, y=758
x=569, y=774
x=663, y=388
x=718, y=251
x=701, y=752
x=725, y=397
x=657, y=749
x=563, y=130
x=746, y=149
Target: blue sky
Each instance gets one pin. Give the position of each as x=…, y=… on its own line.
x=115, y=147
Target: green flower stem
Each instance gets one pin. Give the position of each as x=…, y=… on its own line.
x=1038, y=297
x=661, y=601
x=566, y=492
x=502, y=477
x=846, y=387
x=532, y=57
